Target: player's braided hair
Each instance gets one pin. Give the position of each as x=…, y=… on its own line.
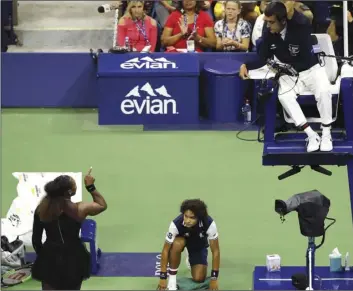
x=197, y=206
x=53, y=203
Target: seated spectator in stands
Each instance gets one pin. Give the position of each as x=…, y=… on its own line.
x=335, y=31
x=292, y=6
x=232, y=32
x=218, y=10
x=164, y=8
x=263, y=5
x=259, y=23
x=207, y=6
x=249, y=12
x=147, y=7
x=189, y=22
x=138, y=27
x=299, y=7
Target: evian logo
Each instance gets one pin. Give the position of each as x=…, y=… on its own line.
x=146, y=100
x=148, y=63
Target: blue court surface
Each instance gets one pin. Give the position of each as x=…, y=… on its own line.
x=148, y=265
x=125, y=264
x=324, y=279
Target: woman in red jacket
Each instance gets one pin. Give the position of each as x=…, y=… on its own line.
x=189, y=22
x=138, y=27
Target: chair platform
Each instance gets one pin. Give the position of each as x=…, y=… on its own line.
x=263, y=280
x=294, y=153
x=337, y=135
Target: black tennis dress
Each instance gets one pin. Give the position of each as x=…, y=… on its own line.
x=63, y=261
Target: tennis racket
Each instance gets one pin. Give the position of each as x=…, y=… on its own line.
x=17, y=276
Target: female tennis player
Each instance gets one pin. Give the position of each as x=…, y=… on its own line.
x=63, y=262
x=195, y=230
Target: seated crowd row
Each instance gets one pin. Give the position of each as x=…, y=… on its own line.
x=230, y=26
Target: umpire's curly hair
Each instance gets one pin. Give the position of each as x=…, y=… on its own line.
x=197, y=206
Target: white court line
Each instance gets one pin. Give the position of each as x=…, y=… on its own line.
x=322, y=279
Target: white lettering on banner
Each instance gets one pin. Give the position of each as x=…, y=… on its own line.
x=148, y=63
x=154, y=107
x=162, y=104
x=158, y=266
x=129, y=66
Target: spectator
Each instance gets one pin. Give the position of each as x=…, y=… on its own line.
x=335, y=31
x=140, y=28
x=163, y=9
x=233, y=32
x=189, y=22
x=259, y=23
x=218, y=10
x=249, y=12
x=147, y=7
x=299, y=7
x=263, y=5
x=291, y=6
x=207, y=6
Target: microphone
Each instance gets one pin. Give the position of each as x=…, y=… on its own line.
x=107, y=8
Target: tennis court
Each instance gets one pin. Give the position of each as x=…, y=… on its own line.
x=144, y=177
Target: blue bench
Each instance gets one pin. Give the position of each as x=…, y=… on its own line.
x=88, y=235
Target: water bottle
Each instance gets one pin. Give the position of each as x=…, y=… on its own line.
x=246, y=110
x=127, y=43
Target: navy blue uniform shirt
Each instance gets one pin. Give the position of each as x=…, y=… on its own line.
x=292, y=46
x=196, y=237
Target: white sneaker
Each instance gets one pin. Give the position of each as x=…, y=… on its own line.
x=313, y=143
x=326, y=143
x=174, y=287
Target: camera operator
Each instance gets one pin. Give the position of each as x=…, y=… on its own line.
x=290, y=42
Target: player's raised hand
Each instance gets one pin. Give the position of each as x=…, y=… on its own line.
x=89, y=180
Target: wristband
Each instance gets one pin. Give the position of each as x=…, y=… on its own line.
x=214, y=274
x=90, y=188
x=163, y=276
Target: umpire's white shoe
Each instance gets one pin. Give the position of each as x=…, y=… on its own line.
x=326, y=143
x=313, y=143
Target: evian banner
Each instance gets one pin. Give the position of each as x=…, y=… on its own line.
x=148, y=63
x=146, y=100
x=149, y=89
